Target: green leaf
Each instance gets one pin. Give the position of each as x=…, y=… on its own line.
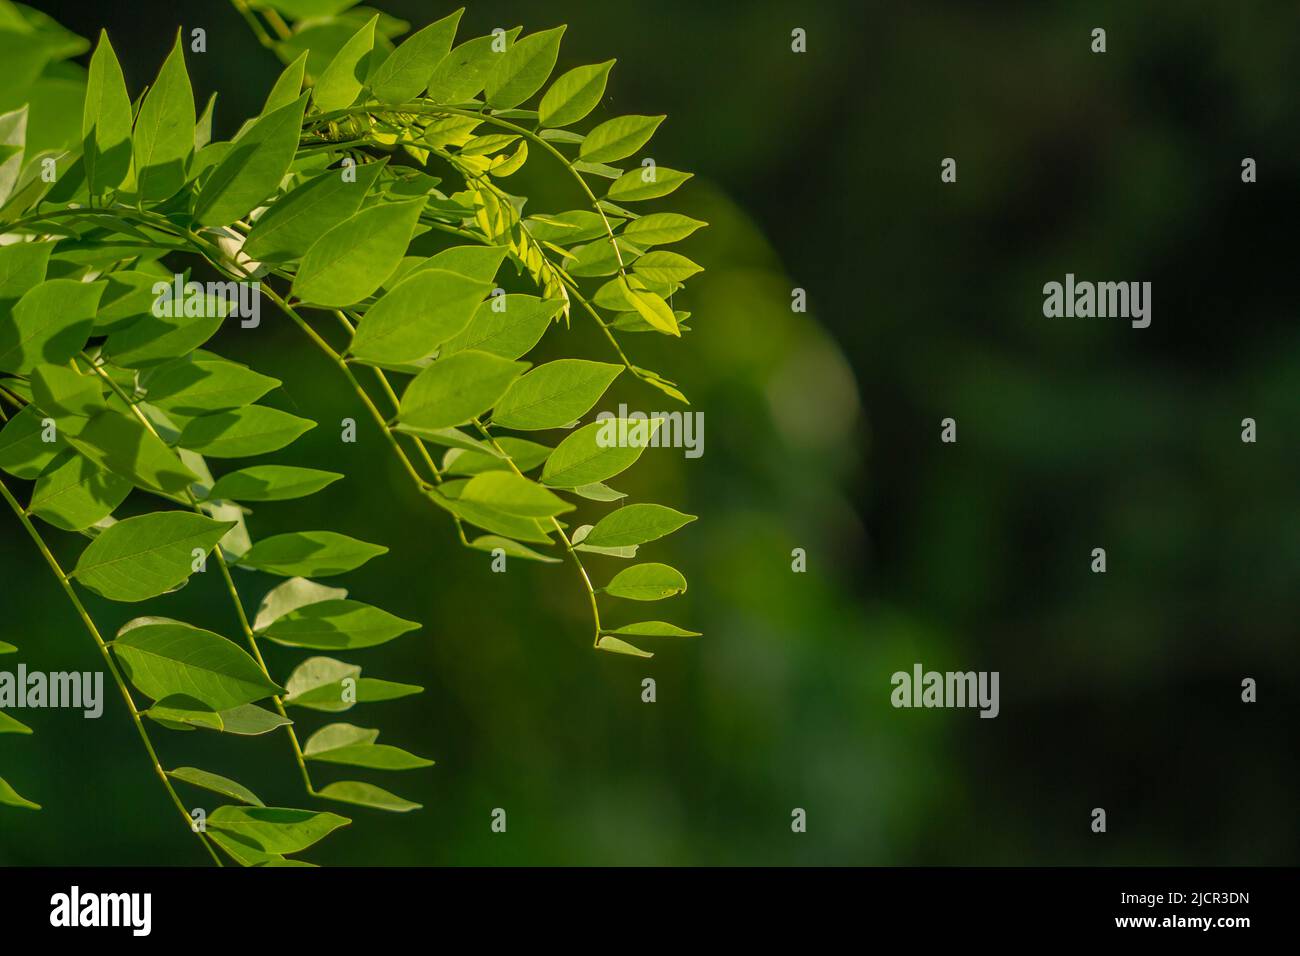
x=598, y=491
x=579, y=537
x=464, y=71
x=449, y=438
x=74, y=494
x=271, y=483
x=512, y=549
x=306, y=9
x=508, y=326
x=141, y=557
x=310, y=554
x=7, y=648
x=274, y=829
x=567, y=228
x=203, y=125
x=248, y=720
x=653, y=629
x=22, y=266
x=525, y=454
x=11, y=797
x=458, y=388
x=199, y=384
x=632, y=186
x=356, y=747
x=165, y=658
x=599, y=258
x=492, y=519
x=354, y=258
x=660, y=228
x=618, y=138
x=598, y=451
x=288, y=85
x=164, y=130
x=50, y=323
x=243, y=432
x=216, y=784
x=289, y=227
x=405, y=73
x=665, y=267
x=23, y=452
x=252, y=170
x=421, y=312
x=366, y=795
x=651, y=307
x=128, y=297
x=60, y=390
x=106, y=121
x=185, y=713
x=646, y=582
x=574, y=95
x=13, y=142
x=523, y=68
x=290, y=595
x=153, y=339
x=555, y=394
x=318, y=684
x=635, y=524
x=615, y=646
x=337, y=626
x=121, y=444
x=508, y=492
x=11, y=725
x=340, y=84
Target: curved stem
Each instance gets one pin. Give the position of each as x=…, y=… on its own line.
x=559, y=529
x=89, y=623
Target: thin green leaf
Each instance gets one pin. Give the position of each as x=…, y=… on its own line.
x=310, y=554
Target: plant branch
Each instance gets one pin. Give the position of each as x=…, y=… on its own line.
x=93, y=630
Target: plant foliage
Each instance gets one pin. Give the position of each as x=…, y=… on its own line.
x=370, y=200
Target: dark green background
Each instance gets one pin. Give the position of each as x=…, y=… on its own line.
x=821, y=171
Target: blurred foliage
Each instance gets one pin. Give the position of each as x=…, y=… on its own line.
x=821, y=171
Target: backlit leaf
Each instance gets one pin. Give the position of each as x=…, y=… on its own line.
x=310, y=554
x=574, y=95
x=598, y=451
x=646, y=582
x=141, y=557
x=163, y=657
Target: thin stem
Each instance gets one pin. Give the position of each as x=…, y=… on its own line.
x=250, y=18
x=89, y=623
x=559, y=529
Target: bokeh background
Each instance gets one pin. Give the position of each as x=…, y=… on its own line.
x=821, y=171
